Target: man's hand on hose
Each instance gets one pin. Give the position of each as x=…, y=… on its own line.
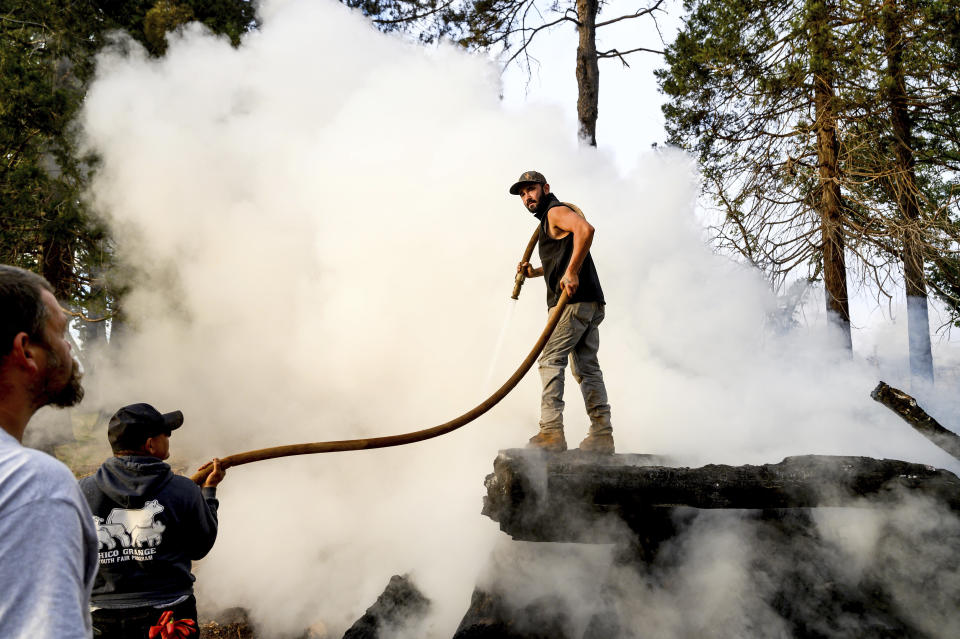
x=528, y=270
x=216, y=475
x=570, y=282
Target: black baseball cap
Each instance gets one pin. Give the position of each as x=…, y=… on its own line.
x=132, y=425
x=528, y=177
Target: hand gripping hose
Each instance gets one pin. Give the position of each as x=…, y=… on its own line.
x=521, y=276
x=405, y=438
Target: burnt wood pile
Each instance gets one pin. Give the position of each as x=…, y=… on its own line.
x=641, y=506
x=588, y=498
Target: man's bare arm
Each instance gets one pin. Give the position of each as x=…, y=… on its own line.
x=563, y=220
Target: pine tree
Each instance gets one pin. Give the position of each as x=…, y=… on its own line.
x=47, y=50
x=753, y=88
x=826, y=129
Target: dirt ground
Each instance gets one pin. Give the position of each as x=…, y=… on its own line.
x=213, y=630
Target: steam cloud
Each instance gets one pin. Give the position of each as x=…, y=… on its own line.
x=321, y=246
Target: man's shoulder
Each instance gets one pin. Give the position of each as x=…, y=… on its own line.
x=29, y=475
x=560, y=206
x=572, y=208
x=565, y=208
x=33, y=463
x=183, y=487
x=182, y=481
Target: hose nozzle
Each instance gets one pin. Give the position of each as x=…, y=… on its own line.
x=517, y=283
x=521, y=275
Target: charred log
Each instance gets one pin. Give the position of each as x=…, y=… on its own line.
x=806, y=592
x=400, y=605
x=489, y=617
x=579, y=497
x=906, y=407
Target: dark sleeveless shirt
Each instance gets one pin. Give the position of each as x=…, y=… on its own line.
x=555, y=256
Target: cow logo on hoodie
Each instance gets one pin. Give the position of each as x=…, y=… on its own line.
x=130, y=533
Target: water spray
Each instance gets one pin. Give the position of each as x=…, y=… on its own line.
x=498, y=345
x=517, y=283
x=416, y=436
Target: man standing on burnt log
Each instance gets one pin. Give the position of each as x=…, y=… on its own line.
x=564, y=245
x=151, y=524
x=48, y=546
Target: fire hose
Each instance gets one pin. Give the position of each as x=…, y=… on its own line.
x=416, y=436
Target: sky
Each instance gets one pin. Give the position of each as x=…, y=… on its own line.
x=630, y=119
x=322, y=247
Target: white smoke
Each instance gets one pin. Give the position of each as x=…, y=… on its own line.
x=321, y=246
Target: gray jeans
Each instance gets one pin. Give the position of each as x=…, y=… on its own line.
x=578, y=338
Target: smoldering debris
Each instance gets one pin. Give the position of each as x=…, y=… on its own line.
x=398, y=611
x=235, y=623
x=232, y=623
x=489, y=617
x=575, y=497
x=885, y=566
x=539, y=591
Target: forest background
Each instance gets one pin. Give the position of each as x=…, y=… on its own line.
x=826, y=132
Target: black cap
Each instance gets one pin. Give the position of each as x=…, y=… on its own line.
x=528, y=177
x=132, y=425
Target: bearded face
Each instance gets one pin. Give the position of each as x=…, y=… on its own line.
x=59, y=384
x=55, y=391
x=531, y=195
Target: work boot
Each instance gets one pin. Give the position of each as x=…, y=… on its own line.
x=598, y=444
x=551, y=441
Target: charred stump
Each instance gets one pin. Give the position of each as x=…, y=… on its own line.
x=400, y=605
x=490, y=618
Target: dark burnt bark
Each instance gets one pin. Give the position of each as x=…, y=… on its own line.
x=830, y=205
x=401, y=605
x=803, y=579
x=489, y=617
x=597, y=499
x=903, y=187
x=907, y=408
x=807, y=590
x=588, y=71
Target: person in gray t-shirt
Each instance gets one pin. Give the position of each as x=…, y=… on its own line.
x=48, y=552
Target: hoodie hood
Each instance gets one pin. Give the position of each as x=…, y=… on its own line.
x=127, y=479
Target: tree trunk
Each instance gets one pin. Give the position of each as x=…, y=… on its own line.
x=57, y=261
x=830, y=206
x=588, y=71
x=903, y=187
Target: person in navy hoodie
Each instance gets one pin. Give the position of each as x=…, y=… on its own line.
x=151, y=524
